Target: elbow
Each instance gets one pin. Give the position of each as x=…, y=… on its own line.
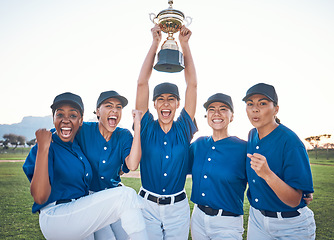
x=133, y=167
x=295, y=201
x=294, y=204
x=40, y=199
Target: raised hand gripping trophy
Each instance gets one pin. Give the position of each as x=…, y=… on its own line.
x=170, y=59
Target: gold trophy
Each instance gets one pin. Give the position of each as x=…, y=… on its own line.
x=170, y=59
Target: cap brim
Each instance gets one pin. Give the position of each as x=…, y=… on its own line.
x=57, y=104
x=249, y=95
x=207, y=104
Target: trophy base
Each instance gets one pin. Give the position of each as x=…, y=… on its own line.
x=169, y=61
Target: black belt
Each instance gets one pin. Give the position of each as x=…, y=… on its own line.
x=63, y=201
x=163, y=200
x=283, y=214
x=214, y=212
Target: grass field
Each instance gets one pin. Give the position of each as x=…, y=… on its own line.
x=17, y=221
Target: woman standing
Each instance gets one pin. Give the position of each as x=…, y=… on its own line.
x=278, y=172
x=165, y=145
x=219, y=176
x=60, y=176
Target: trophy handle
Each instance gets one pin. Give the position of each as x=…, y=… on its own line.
x=188, y=21
x=153, y=17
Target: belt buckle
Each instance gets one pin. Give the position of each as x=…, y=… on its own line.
x=160, y=199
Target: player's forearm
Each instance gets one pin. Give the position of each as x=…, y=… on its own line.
x=144, y=77
x=146, y=69
x=40, y=187
x=133, y=160
x=284, y=192
x=191, y=81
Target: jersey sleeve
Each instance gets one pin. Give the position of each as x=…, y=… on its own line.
x=191, y=158
x=30, y=162
x=296, y=160
x=146, y=120
x=188, y=125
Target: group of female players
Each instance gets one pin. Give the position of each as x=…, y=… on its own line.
x=74, y=169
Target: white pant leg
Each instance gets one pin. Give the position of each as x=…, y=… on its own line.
x=111, y=232
x=198, y=226
x=118, y=230
x=168, y=222
x=215, y=227
x=81, y=218
x=300, y=227
x=105, y=233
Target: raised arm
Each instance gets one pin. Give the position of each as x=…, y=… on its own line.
x=189, y=73
x=142, y=98
x=133, y=159
x=40, y=187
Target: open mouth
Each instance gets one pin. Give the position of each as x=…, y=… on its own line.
x=66, y=132
x=112, y=121
x=166, y=113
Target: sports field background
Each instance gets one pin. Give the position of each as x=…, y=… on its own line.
x=17, y=221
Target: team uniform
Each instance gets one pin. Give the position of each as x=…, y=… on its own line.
x=269, y=217
x=107, y=158
x=164, y=167
x=219, y=182
x=69, y=212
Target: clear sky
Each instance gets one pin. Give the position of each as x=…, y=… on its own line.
x=86, y=47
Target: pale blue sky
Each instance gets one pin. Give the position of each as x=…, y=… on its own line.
x=49, y=47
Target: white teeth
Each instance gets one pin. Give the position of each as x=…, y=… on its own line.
x=217, y=120
x=112, y=117
x=165, y=113
x=66, y=129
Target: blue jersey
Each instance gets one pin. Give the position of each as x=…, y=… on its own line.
x=287, y=158
x=164, y=162
x=106, y=158
x=69, y=171
x=219, y=173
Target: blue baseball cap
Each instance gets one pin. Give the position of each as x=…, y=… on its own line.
x=219, y=97
x=166, y=87
x=69, y=98
x=263, y=89
x=111, y=94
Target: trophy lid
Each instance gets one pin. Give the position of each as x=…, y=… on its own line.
x=170, y=10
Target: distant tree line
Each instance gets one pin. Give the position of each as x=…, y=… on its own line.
x=15, y=140
x=315, y=142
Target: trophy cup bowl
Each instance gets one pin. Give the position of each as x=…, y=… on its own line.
x=170, y=21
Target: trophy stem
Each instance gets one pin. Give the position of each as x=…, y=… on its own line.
x=170, y=36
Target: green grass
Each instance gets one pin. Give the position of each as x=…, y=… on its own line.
x=17, y=221
x=322, y=155
x=14, y=154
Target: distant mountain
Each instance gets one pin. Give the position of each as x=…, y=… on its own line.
x=27, y=127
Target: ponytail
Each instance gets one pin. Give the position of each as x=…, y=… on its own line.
x=276, y=118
